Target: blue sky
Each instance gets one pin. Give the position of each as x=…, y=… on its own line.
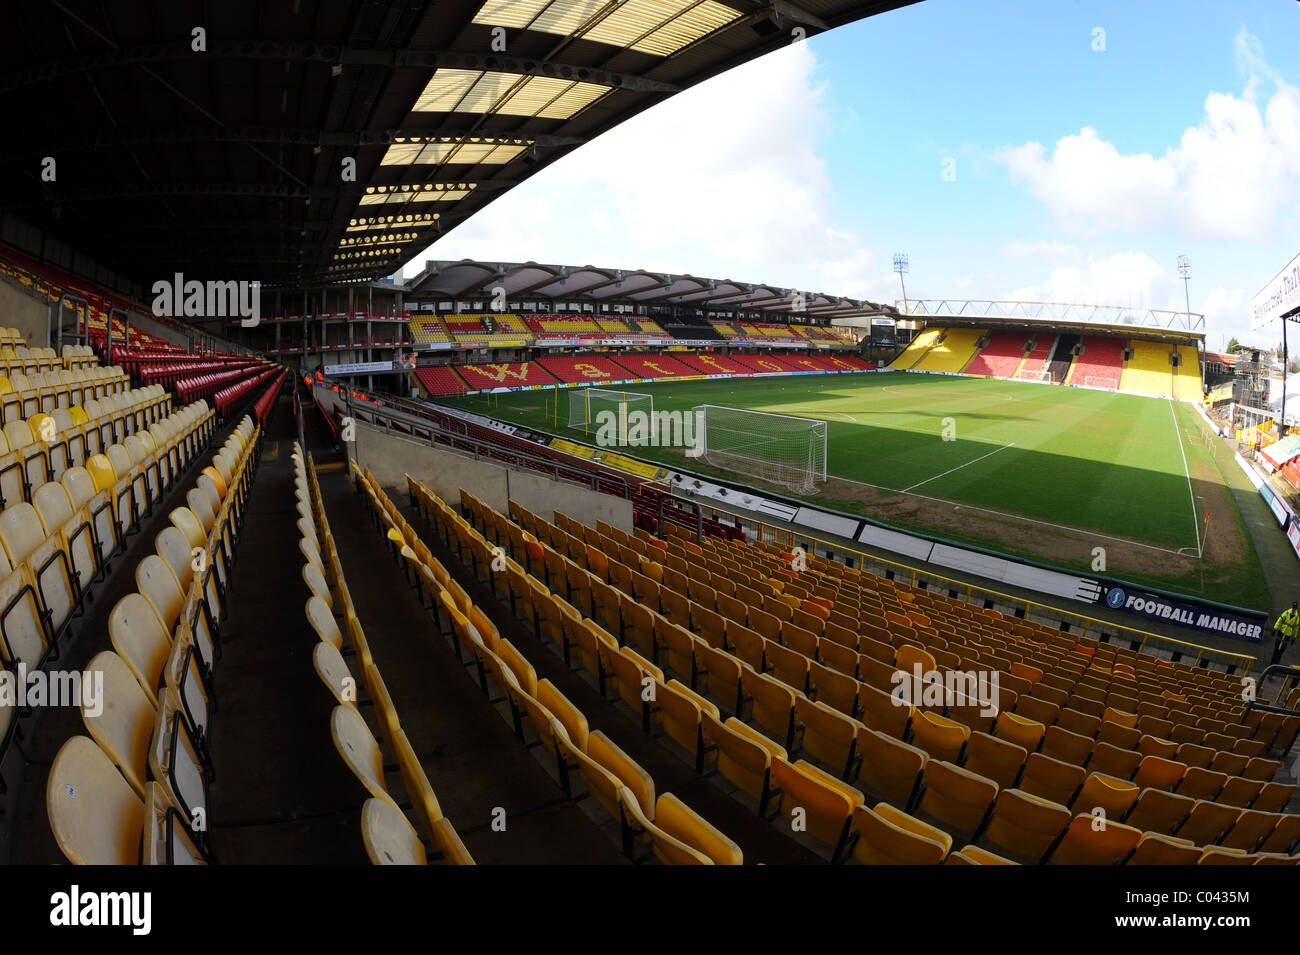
x=1074, y=173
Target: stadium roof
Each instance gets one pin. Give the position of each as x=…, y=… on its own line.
x=467, y=280
x=1144, y=323
x=321, y=141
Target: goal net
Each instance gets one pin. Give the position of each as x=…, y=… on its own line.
x=586, y=404
x=1042, y=374
x=779, y=448
x=1103, y=381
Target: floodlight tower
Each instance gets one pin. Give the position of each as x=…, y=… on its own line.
x=900, y=266
x=1185, y=272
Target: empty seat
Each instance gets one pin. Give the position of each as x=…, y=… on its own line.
x=1159, y=811
x=956, y=798
x=1156, y=849
x=96, y=816
x=685, y=826
x=359, y=751
x=888, y=836
x=388, y=837
x=1025, y=825
x=1051, y=778
x=942, y=738
x=889, y=769
x=995, y=759
x=744, y=756
x=1207, y=823
x=827, y=804
x=122, y=720
x=1088, y=843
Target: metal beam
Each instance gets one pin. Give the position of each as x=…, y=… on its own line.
x=327, y=56
x=285, y=136
x=251, y=190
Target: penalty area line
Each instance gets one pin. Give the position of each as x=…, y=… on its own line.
x=1180, y=552
x=907, y=490
x=1196, y=519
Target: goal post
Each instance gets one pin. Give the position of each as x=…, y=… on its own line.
x=585, y=404
x=782, y=449
x=1108, y=382
x=1028, y=374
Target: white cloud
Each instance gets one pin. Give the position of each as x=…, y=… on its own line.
x=1050, y=249
x=1227, y=315
x=696, y=184
x=1126, y=279
x=1233, y=175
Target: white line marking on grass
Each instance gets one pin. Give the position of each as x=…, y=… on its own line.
x=960, y=466
x=1196, y=521
x=951, y=391
x=1018, y=517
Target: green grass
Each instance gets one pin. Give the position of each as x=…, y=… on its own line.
x=1080, y=464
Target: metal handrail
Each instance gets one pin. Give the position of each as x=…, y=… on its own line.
x=557, y=471
x=74, y=299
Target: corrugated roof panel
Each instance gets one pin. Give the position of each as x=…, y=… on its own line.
x=659, y=27
x=457, y=151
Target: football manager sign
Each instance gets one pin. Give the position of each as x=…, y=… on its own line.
x=1281, y=296
x=1205, y=619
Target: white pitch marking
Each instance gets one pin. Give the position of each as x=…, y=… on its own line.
x=1196, y=521
x=960, y=466
x=1020, y=517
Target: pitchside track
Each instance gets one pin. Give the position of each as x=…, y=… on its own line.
x=1032, y=470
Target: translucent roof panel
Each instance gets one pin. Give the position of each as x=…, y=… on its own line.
x=511, y=94
x=385, y=223
x=388, y=238
x=381, y=195
x=659, y=27
x=453, y=151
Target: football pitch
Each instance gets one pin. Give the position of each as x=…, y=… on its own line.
x=1031, y=470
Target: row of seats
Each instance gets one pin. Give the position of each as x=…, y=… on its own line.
x=389, y=837
x=265, y=404
x=208, y=384
x=70, y=529
x=78, y=356
x=19, y=358
x=1099, y=364
x=674, y=833
x=584, y=631
x=573, y=369
x=135, y=790
x=783, y=709
x=1069, y=689
x=889, y=612
x=440, y=380
x=1000, y=356
x=41, y=448
x=23, y=395
x=231, y=396
x=169, y=371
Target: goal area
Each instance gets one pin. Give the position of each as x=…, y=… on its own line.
x=585, y=404
x=1108, y=382
x=1042, y=374
x=782, y=449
